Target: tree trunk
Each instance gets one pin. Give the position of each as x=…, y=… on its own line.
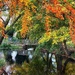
x=1, y=39
x=59, y=64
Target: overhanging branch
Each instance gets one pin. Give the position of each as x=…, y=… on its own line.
x=6, y=23
x=17, y=18
x=2, y=20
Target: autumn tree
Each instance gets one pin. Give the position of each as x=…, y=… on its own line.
x=15, y=9
x=52, y=16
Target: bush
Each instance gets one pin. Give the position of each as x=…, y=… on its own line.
x=70, y=69
x=5, y=46
x=35, y=67
x=21, y=70
x=2, y=62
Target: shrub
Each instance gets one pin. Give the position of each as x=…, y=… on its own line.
x=35, y=67
x=2, y=62
x=70, y=69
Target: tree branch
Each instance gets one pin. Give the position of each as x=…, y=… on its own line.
x=6, y=23
x=17, y=19
x=2, y=20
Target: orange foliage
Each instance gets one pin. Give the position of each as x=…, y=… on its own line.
x=1, y=4
x=26, y=20
x=16, y=6
x=13, y=5
x=72, y=22
x=1, y=25
x=72, y=29
x=26, y=2
x=65, y=0
x=2, y=29
x=47, y=24
x=55, y=2
x=58, y=10
x=71, y=9
x=54, y=7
